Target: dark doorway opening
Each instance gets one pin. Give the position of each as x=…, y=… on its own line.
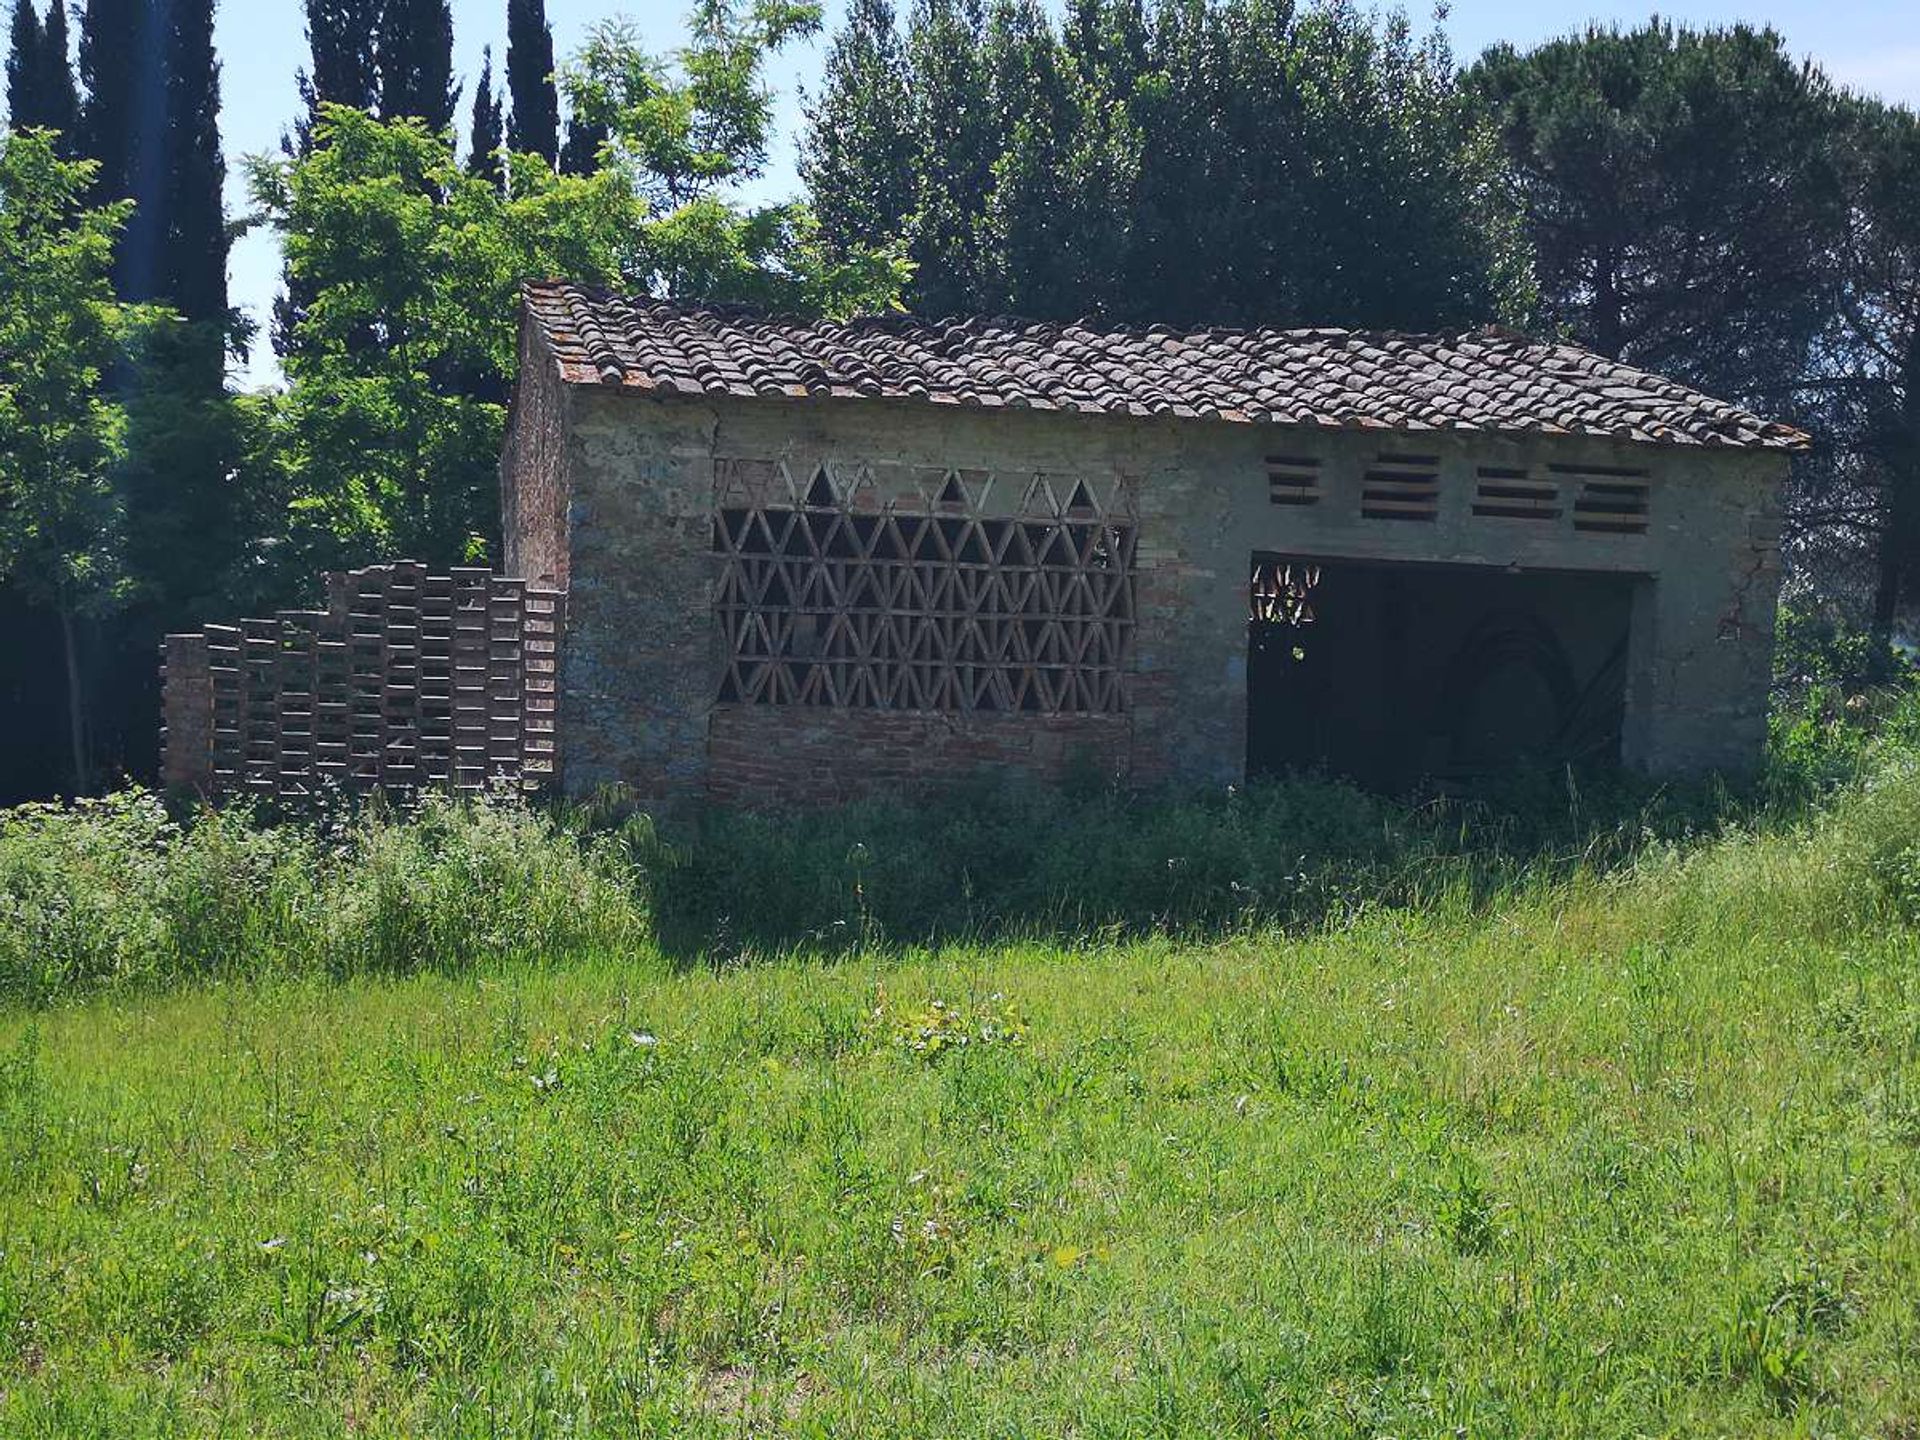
x=1388, y=674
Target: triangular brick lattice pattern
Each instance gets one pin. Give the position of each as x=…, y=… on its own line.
x=835, y=600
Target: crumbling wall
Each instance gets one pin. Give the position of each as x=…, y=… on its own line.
x=406, y=679
x=533, y=468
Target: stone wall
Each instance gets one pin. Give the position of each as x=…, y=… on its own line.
x=647, y=657
x=405, y=680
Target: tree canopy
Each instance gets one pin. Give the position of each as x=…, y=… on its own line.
x=1193, y=162
x=61, y=332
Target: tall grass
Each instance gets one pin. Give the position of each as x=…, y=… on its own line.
x=119, y=892
x=1569, y=1112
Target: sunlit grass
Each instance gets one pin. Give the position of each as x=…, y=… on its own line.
x=1607, y=1156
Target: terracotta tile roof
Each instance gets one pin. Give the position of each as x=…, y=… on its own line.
x=1484, y=380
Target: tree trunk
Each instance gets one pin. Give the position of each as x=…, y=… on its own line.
x=76, y=714
x=1900, y=540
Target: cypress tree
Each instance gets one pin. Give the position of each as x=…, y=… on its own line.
x=581, y=154
x=122, y=128
x=535, y=125
x=107, y=67
x=25, y=68
x=483, y=158
x=340, y=39
x=414, y=58
x=194, y=271
x=59, y=99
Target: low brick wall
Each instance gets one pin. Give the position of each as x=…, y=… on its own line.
x=781, y=755
x=406, y=679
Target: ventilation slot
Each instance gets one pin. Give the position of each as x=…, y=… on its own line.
x=1402, y=487
x=1611, y=500
x=1293, y=480
x=1513, y=493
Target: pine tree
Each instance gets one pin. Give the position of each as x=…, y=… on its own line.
x=414, y=56
x=59, y=98
x=25, y=68
x=1684, y=190
x=857, y=158
x=484, y=132
x=534, y=128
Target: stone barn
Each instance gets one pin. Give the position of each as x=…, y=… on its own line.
x=801, y=561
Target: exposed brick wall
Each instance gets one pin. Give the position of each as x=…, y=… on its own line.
x=533, y=469
x=762, y=756
x=406, y=679
x=186, y=732
x=648, y=648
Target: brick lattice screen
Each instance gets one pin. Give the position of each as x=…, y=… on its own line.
x=406, y=679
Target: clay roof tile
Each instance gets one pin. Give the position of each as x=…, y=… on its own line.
x=1489, y=379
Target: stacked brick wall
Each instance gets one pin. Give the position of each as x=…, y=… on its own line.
x=405, y=680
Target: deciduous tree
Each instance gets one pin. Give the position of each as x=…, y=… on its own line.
x=1202, y=162
x=61, y=331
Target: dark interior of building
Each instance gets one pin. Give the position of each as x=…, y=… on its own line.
x=1390, y=674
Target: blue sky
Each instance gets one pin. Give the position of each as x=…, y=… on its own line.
x=1871, y=45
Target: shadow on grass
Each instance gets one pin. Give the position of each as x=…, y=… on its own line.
x=993, y=862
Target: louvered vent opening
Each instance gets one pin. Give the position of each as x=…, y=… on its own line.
x=1401, y=487
x=1293, y=480
x=1612, y=500
x=1513, y=492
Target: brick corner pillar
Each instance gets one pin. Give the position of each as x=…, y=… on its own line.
x=186, y=714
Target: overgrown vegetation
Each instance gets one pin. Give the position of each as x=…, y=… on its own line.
x=1602, y=1123
x=118, y=892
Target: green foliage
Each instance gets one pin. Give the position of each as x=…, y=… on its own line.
x=1684, y=195
x=401, y=349
x=412, y=267
x=115, y=892
x=684, y=132
x=1227, y=162
x=60, y=332
x=1612, y=1156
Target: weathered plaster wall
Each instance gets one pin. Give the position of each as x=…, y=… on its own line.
x=643, y=657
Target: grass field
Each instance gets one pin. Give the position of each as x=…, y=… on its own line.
x=1587, y=1155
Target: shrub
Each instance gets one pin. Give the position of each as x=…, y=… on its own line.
x=115, y=891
